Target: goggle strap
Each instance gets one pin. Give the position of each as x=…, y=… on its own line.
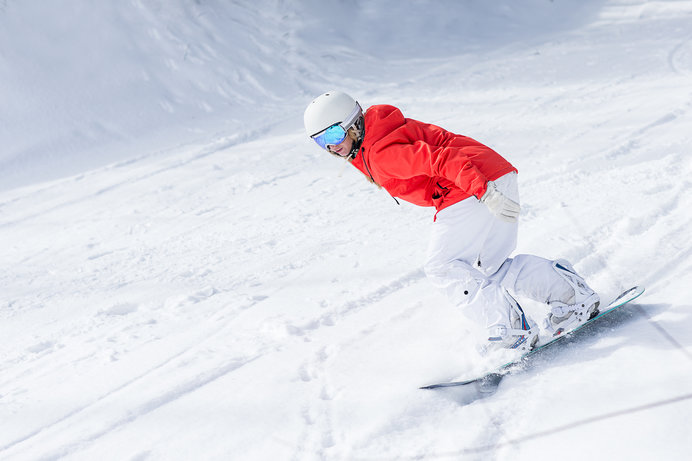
x=345, y=124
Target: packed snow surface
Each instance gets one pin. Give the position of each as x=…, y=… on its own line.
x=184, y=275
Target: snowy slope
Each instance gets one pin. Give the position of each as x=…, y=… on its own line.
x=185, y=276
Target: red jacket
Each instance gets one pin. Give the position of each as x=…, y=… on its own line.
x=422, y=163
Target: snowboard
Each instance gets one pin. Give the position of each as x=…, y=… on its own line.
x=489, y=381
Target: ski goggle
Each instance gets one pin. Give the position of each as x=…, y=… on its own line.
x=335, y=134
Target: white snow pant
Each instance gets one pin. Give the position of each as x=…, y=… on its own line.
x=468, y=259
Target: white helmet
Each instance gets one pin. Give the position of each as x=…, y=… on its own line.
x=334, y=107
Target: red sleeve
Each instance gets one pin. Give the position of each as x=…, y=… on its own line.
x=403, y=160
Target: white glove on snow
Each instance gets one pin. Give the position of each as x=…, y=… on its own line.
x=501, y=206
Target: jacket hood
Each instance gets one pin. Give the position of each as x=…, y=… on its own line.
x=381, y=120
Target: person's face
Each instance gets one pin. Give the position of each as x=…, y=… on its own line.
x=343, y=149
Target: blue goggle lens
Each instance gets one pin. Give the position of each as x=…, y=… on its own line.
x=333, y=135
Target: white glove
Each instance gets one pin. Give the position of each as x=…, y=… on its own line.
x=501, y=206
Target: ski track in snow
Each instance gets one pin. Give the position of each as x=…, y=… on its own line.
x=240, y=295
x=680, y=57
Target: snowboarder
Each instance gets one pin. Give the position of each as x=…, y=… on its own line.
x=475, y=193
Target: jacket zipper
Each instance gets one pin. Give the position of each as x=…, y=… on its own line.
x=362, y=151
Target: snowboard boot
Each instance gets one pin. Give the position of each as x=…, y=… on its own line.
x=522, y=334
x=578, y=308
